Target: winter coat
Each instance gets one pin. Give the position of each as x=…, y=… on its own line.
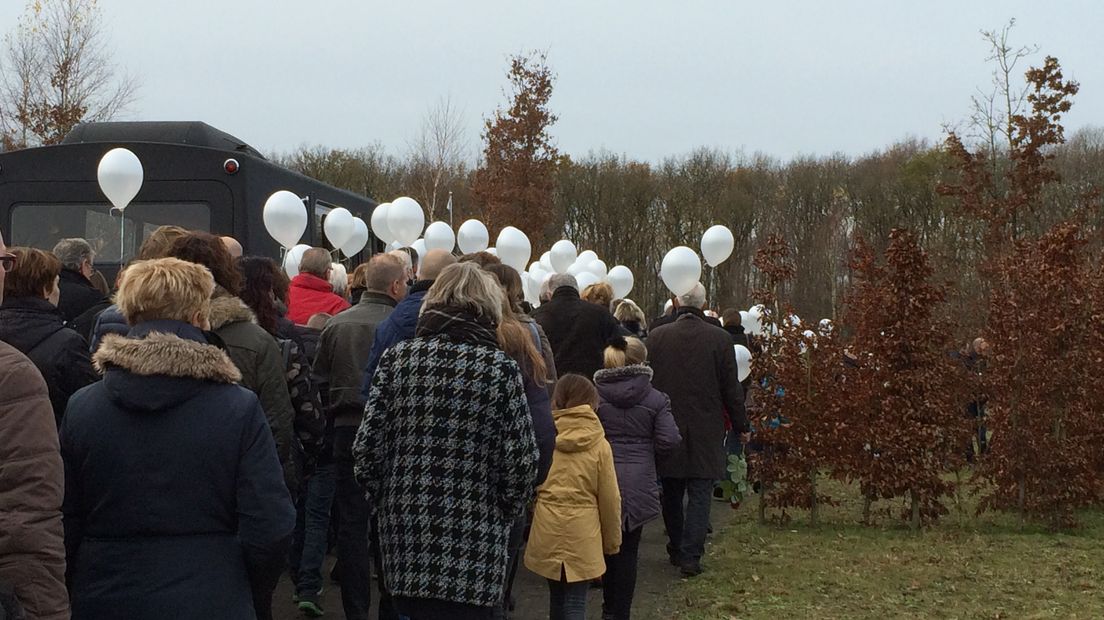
x=694, y=365
x=260, y=360
x=667, y=319
x=34, y=326
x=449, y=468
x=397, y=327
x=110, y=321
x=577, y=517
x=639, y=427
x=343, y=351
x=175, y=505
x=578, y=331
x=310, y=295
x=32, y=551
x=540, y=408
x=77, y=296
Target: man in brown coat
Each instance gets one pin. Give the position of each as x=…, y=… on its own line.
x=694, y=365
x=32, y=546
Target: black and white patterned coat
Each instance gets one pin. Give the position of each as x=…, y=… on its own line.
x=447, y=455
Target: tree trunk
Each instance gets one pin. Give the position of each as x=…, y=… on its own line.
x=915, y=501
x=814, y=508
x=763, y=504
x=868, y=502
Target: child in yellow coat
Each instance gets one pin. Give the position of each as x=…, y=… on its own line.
x=577, y=518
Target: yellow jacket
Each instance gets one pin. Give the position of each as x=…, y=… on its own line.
x=577, y=516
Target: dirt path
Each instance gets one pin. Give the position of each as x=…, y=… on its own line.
x=653, y=589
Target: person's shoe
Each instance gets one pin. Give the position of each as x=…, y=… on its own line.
x=310, y=608
x=692, y=569
x=672, y=556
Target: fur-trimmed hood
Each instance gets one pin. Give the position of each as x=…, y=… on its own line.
x=227, y=309
x=624, y=387
x=166, y=354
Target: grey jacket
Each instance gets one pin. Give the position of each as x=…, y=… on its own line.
x=343, y=352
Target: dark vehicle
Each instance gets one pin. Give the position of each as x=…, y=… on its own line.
x=195, y=176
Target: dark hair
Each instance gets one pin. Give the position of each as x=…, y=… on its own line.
x=480, y=258
x=732, y=317
x=208, y=250
x=258, y=291
x=34, y=273
x=574, y=390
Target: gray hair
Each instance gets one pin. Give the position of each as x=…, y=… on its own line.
x=339, y=279
x=466, y=285
x=560, y=280
x=694, y=298
x=73, y=252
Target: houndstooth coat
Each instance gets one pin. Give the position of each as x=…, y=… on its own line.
x=447, y=455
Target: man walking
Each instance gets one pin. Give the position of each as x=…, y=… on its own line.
x=694, y=365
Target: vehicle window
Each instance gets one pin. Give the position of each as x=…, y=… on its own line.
x=41, y=225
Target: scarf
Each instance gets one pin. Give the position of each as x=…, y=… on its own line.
x=458, y=325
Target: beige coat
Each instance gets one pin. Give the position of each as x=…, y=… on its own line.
x=577, y=517
x=32, y=547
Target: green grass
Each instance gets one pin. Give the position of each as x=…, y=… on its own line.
x=964, y=567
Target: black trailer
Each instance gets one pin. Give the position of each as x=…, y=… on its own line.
x=195, y=176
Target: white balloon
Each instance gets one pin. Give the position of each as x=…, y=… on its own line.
x=438, y=236
x=586, y=256
x=358, y=240
x=585, y=279
x=514, y=248
x=527, y=287
x=743, y=361
x=338, y=226
x=491, y=251
x=598, y=268
x=379, y=223
x=395, y=246
x=420, y=247
x=537, y=273
x=405, y=220
x=120, y=175
x=751, y=323
x=680, y=270
x=562, y=256
x=292, y=259
x=577, y=267
x=285, y=218
x=472, y=237
x=546, y=262
x=717, y=244
x=621, y=279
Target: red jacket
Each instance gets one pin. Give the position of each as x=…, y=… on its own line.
x=310, y=295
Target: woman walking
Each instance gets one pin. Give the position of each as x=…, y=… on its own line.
x=577, y=517
x=175, y=506
x=639, y=426
x=446, y=453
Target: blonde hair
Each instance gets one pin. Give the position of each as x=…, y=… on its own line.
x=465, y=285
x=159, y=242
x=164, y=288
x=634, y=353
x=627, y=310
x=600, y=294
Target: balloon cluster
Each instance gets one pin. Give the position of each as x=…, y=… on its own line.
x=681, y=268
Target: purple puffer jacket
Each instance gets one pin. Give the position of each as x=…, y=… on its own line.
x=639, y=426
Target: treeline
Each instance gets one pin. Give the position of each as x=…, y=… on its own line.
x=634, y=211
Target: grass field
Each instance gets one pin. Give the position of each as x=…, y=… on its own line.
x=965, y=567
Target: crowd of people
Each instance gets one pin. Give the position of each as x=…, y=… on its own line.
x=217, y=425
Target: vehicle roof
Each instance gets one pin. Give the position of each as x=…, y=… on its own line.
x=193, y=133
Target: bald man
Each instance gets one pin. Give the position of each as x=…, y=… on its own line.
x=232, y=246
x=402, y=322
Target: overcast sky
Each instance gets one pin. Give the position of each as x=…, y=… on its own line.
x=646, y=79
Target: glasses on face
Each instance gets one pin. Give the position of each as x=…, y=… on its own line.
x=7, y=262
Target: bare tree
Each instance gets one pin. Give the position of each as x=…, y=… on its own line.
x=438, y=154
x=58, y=72
x=993, y=110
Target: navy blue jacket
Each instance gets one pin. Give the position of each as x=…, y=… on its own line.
x=175, y=503
x=400, y=325
x=110, y=321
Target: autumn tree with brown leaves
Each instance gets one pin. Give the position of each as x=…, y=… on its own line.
x=1044, y=311
x=909, y=429
x=514, y=184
